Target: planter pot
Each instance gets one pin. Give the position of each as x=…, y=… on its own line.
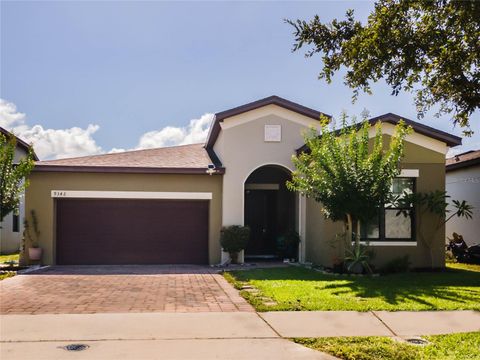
x=234, y=257
x=35, y=254
x=357, y=269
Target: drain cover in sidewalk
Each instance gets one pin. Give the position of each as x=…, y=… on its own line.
x=75, y=347
x=417, y=341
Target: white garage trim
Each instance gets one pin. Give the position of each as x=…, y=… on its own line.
x=131, y=195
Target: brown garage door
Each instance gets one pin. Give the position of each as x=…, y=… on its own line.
x=119, y=231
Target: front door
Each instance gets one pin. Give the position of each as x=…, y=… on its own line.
x=261, y=217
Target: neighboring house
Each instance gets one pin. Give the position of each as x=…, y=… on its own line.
x=463, y=183
x=167, y=205
x=11, y=229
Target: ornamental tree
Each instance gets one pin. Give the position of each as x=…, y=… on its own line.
x=349, y=171
x=436, y=204
x=430, y=48
x=13, y=180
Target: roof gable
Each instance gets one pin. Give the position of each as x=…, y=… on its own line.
x=449, y=139
x=20, y=143
x=271, y=100
x=394, y=119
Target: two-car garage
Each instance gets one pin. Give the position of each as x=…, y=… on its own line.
x=131, y=231
x=152, y=206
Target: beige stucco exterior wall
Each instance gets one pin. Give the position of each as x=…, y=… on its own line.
x=464, y=184
x=242, y=148
x=38, y=197
x=321, y=233
x=9, y=240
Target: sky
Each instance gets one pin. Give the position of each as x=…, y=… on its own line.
x=80, y=78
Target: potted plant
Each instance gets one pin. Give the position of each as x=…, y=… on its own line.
x=357, y=259
x=287, y=245
x=33, y=234
x=234, y=239
x=292, y=240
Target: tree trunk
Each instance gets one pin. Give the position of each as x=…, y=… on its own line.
x=348, y=240
x=432, y=260
x=357, y=235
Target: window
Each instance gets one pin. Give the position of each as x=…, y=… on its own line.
x=394, y=223
x=15, y=222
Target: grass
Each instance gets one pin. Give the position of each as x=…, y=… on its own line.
x=6, y=275
x=460, y=266
x=453, y=347
x=11, y=257
x=5, y=259
x=296, y=288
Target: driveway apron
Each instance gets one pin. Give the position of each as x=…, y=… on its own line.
x=119, y=289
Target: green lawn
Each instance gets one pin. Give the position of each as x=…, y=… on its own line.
x=460, y=266
x=452, y=347
x=297, y=288
x=6, y=274
x=11, y=257
x=4, y=259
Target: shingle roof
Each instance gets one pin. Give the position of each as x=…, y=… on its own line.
x=465, y=159
x=176, y=159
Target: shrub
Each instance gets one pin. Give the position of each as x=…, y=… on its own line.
x=358, y=259
x=397, y=265
x=234, y=239
x=28, y=227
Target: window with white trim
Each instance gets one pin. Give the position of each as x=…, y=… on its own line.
x=395, y=222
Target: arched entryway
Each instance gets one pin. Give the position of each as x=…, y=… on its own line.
x=270, y=210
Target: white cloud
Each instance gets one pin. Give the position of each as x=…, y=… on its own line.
x=62, y=143
x=76, y=141
x=195, y=132
x=9, y=116
x=49, y=143
x=116, y=150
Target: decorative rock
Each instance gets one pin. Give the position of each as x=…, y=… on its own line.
x=270, y=303
x=245, y=287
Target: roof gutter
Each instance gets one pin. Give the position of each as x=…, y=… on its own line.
x=123, y=170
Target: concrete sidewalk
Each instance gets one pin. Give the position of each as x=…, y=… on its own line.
x=134, y=326
x=191, y=349
x=373, y=323
x=236, y=336
x=172, y=336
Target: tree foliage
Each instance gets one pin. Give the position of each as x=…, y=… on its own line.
x=349, y=172
x=431, y=48
x=13, y=180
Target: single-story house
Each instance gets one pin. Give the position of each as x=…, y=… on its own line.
x=167, y=205
x=463, y=183
x=11, y=228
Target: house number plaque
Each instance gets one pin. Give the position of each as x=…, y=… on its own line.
x=57, y=193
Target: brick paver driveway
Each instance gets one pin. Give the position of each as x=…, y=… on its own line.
x=103, y=289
